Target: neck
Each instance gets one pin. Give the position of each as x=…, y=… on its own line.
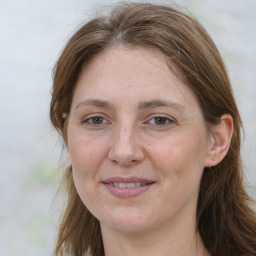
x=179, y=239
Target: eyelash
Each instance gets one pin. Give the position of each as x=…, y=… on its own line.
x=89, y=121
x=167, y=119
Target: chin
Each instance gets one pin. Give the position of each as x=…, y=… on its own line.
x=131, y=223
x=129, y=227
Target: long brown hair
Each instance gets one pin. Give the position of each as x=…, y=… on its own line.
x=225, y=219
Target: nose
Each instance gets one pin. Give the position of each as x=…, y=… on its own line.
x=126, y=148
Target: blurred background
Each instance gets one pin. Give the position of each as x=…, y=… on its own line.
x=32, y=35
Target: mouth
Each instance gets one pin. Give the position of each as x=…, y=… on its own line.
x=127, y=187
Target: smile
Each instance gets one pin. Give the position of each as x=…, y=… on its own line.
x=127, y=187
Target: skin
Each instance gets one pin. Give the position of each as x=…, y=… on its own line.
x=114, y=131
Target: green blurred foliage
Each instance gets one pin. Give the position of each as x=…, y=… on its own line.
x=44, y=175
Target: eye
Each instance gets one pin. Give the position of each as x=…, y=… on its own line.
x=95, y=121
x=160, y=121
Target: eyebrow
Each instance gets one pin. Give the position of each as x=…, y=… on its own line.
x=142, y=105
x=160, y=103
x=96, y=103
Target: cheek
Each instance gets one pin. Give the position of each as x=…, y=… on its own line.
x=179, y=156
x=86, y=154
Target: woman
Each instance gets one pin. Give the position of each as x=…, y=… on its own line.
x=152, y=135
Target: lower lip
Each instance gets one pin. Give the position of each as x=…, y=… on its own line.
x=127, y=192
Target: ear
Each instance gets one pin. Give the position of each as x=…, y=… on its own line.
x=68, y=154
x=65, y=139
x=221, y=135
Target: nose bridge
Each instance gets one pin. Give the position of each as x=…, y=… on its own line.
x=125, y=146
x=124, y=138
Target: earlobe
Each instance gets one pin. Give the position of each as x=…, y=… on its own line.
x=221, y=138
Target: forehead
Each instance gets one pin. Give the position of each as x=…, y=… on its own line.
x=131, y=74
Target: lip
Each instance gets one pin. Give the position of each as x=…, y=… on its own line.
x=127, y=180
x=127, y=192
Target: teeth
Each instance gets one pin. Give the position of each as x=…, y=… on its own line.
x=122, y=185
x=130, y=185
x=127, y=185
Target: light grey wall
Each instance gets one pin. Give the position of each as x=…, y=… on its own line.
x=32, y=34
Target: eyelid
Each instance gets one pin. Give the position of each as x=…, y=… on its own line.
x=90, y=116
x=170, y=119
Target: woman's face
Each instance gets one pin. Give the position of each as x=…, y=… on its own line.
x=137, y=141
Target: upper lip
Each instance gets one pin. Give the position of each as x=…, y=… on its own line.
x=117, y=179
